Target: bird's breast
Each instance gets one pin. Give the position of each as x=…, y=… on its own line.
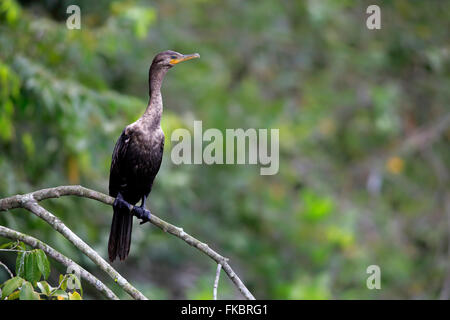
x=146, y=151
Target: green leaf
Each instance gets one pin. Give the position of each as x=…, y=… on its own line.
x=7, y=245
x=43, y=263
x=11, y=285
x=74, y=296
x=14, y=295
x=20, y=264
x=63, y=282
x=32, y=272
x=44, y=287
x=27, y=292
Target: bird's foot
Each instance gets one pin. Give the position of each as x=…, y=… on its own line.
x=142, y=213
x=120, y=203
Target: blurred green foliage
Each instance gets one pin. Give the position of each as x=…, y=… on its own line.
x=364, y=139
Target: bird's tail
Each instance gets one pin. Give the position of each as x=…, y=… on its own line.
x=120, y=234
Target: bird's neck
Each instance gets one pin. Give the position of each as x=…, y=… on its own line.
x=154, y=109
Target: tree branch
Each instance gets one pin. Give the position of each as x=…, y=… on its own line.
x=29, y=201
x=7, y=270
x=216, y=281
x=35, y=243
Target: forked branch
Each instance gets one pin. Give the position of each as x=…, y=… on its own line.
x=29, y=202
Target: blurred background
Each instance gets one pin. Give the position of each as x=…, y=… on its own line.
x=364, y=140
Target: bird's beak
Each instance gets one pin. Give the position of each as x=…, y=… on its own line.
x=185, y=57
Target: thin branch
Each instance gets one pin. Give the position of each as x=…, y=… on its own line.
x=13, y=250
x=35, y=243
x=7, y=270
x=216, y=281
x=21, y=201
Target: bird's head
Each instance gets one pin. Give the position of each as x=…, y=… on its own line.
x=167, y=59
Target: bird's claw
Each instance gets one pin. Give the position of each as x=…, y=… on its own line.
x=120, y=203
x=142, y=213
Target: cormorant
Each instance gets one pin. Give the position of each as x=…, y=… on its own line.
x=136, y=159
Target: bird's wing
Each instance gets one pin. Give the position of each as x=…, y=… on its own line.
x=117, y=175
x=158, y=158
x=153, y=163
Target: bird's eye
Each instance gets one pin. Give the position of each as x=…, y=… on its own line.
x=173, y=57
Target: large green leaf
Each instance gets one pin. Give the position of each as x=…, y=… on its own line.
x=43, y=263
x=11, y=285
x=32, y=272
x=27, y=292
